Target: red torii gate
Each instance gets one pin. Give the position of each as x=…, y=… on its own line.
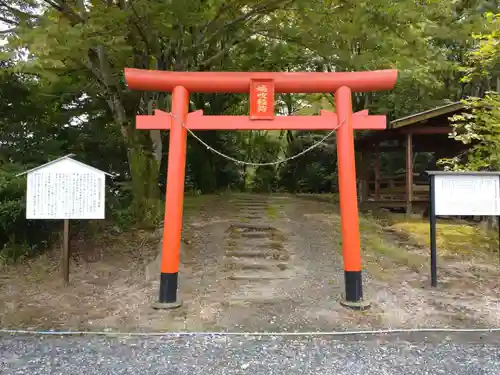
x=262, y=88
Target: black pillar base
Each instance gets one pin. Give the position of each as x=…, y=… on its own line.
x=168, y=292
x=354, y=291
x=353, y=286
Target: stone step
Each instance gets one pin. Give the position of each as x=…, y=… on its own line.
x=254, y=217
x=266, y=254
x=256, y=235
x=250, y=226
x=257, y=264
x=257, y=244
x=260, y=275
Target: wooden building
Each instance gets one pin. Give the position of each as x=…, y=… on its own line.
x=424, y=132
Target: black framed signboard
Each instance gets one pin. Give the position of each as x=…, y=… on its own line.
x=460, y=194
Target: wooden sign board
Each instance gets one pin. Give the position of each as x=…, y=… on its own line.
x=66, y=189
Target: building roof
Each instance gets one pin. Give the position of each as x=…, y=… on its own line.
x=430, y=131
x=69, y=156
x=421, y=116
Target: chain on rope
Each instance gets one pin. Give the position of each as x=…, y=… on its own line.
x=242, y=162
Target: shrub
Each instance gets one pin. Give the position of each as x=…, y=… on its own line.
x=18, y=237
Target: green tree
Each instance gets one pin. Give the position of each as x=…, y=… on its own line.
x=479, y=125
x=93, y=41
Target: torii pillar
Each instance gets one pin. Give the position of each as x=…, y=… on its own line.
x=262, y=88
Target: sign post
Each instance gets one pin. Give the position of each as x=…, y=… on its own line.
x=65, y=189
x=460, y=194
x=65, y=254
x=261, y=86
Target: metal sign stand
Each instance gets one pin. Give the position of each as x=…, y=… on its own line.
x=474, y=205
x=433, y=227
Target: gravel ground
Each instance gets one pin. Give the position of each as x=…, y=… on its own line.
x=246, y=355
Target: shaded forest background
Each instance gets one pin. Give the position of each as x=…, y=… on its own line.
x=62, y=90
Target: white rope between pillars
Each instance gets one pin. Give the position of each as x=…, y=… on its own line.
x=251, y=334
x=242, y=162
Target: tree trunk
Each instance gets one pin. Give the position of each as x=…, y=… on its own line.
x=156, y=140
x=143, y=165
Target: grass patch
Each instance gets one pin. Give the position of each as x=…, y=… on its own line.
x=454, y=238
x=272, y=212
x=385, y=252
x=381, y=253
x=194, y=202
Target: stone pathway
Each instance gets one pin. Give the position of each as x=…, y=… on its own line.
x=256, y=255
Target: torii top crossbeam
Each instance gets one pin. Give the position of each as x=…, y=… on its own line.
x=239, y=82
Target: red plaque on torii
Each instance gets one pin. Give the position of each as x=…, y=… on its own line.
x=261, y=99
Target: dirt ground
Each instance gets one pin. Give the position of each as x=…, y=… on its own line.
x=253, y=263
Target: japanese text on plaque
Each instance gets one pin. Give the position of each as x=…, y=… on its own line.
x=261, y=98
x=70, y=195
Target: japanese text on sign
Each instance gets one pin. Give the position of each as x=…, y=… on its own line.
x=261, y=98
x=464, y=195
x=65, y=195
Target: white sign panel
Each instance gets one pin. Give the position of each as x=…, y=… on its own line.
x=65, y=190
x=467, y=194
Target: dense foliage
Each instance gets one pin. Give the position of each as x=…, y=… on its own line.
x=62, y=88
x=480, y=125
